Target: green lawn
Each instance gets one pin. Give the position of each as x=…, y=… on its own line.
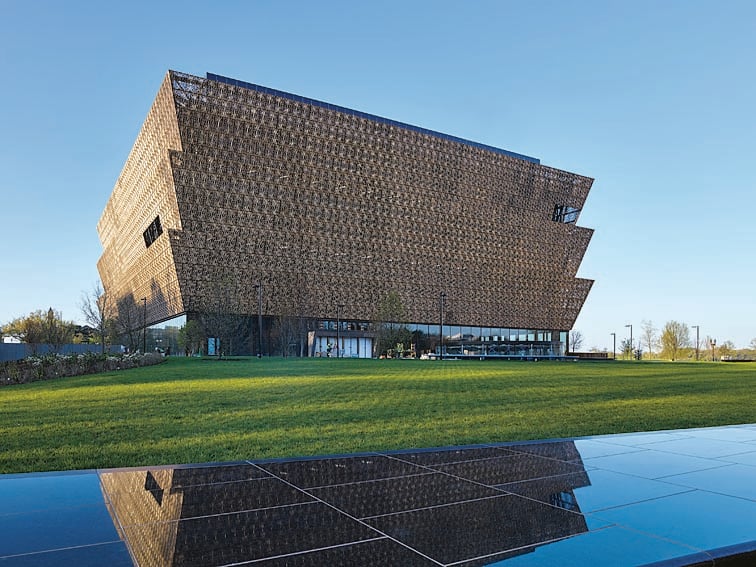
x=191, y=410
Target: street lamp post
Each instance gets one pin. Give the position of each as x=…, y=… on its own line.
x=696, y=327
x=632, y=349
x=614, y=345
x=441, y=305
x=258, y=287
x=144, y=326
x=339, y=307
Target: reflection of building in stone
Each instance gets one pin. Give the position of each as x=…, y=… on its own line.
x=555, y=488
x=239, y=202
x=145, y=497
x=148, y=506
x=236, y=513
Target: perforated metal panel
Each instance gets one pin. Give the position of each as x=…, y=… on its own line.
x=327, y=206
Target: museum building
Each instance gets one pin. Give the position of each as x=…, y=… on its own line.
x=283, y=224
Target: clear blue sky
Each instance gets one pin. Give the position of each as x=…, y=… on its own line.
x=653, y=99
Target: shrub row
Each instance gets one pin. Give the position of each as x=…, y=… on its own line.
x=50, y=366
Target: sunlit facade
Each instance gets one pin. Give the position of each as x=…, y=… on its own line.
x=244, y=200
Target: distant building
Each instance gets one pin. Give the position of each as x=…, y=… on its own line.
x=84, y=334
x=243, y=207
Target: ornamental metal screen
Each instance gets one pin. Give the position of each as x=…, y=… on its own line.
x=325, y=206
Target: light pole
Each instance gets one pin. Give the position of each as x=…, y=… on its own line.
x=697, y=329
x=713, y=345
x=144, y=326
x=614, y=345
x=632, y=349
x=441, y=304
x=258, y=287
x=339, y=307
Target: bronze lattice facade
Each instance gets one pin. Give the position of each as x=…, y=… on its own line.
x=230, y=184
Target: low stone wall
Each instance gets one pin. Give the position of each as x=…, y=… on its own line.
x=52, y=366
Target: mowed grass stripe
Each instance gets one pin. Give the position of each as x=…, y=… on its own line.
x=190, y=410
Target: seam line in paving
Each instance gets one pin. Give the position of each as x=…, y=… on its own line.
x=410, y=475
x=58, y=549
x=666, y=539
x=516, y=549
x=708, y=491
x=504, y=491
x=430, y=465
x=306, y=552
x=437, y=506
x=668, y=476
x=220, y=514
x=358, y=482
x=353, y=518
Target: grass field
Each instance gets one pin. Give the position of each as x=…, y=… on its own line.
x=192, y=410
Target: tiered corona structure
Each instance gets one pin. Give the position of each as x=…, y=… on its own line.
x=233, y=188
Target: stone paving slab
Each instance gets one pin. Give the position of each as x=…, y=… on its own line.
x=683, y=497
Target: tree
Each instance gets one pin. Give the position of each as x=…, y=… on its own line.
x=58, y=332
x=29, y=329
x=648, y=336
x=290, y=328
x=726, y=349
x=752, y=345
x=423, y=342
x=220, y=318
x=576, y=340
x=190, y=337
x=626, y=348
x=42, y=327
x=129, y=323
x=675, y=336
x=301, y=307
x=98, y=309
x=390, y=324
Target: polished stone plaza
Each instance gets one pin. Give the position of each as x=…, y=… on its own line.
x=684, y=497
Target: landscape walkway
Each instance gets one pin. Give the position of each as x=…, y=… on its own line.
x=684, y=497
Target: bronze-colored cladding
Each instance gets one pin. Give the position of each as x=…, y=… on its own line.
x=144, y=190
x=328, y=207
